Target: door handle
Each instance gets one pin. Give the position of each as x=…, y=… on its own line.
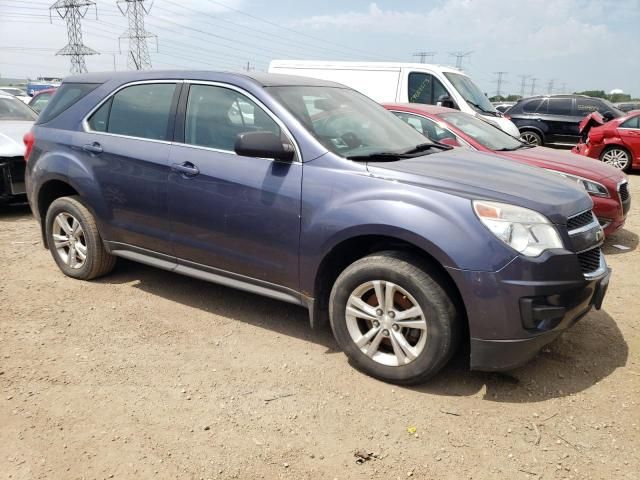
x=94, y=147
x=187, y=169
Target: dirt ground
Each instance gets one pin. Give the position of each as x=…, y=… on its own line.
x=145, y=373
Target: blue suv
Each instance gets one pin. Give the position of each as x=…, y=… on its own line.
x=311, y=193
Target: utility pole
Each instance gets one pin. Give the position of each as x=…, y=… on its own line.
x=424, y=55
x=248, y=66
x=533, y=86
x=460, y=56
x=550, y=86
x=564, y=87
x=72, y=11
x=499, y=81
x=523, y=83
x=135, y=10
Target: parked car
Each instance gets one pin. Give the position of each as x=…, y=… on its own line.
x=627, y=106
x=16, y=92
x=402, y=243
x=403, y=82
x=16, y=119
x=607, y=186
x=41, y=98
x=554, y=119
x=616, y=142
x=503, y=106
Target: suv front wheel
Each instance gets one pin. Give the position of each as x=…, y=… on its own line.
x=393, y=319
x=74, y=240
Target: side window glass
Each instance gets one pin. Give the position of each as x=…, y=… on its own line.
x=631, y=123
x=99, y=119
x=420, y=88
x=532, y=106
x=217, y=115
x=560, y=106
x=585, y=106
x=438, y=90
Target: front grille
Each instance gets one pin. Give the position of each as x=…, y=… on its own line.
x=624, y=191
x=580, y=220
x=590, y=260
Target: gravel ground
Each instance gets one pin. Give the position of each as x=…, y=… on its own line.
x=146, y=373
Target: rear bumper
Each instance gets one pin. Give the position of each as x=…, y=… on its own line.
x=513, y=313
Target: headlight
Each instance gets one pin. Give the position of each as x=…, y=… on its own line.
x=524, y=230
x=592, y=188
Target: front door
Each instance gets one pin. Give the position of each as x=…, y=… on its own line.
x=228, y=212
x=127, y=145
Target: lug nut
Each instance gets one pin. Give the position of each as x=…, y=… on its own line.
x=376, y=323
x=391, y=314
x=396, y=327
x=379, y=312
x=385, y=332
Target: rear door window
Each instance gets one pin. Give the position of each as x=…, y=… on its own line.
x=66, y=95
x=585, y=106
x=560, y=106
x=142, y=111
x=425, y=88
x=532, y=106
x=631, y=123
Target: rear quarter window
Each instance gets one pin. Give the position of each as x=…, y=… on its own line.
x=65, y=96
x=531, y=106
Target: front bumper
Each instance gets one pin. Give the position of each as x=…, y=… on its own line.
x=12, y=178
x=513, y=313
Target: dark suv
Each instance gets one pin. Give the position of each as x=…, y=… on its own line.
x=311, y=193
x=554, y=119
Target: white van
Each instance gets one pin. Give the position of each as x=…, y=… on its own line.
x=403, y=82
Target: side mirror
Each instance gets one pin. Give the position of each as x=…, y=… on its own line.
x=446, y=101
x=452, y=142
x=263, y=145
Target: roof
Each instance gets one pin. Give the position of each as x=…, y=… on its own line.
x=362, y=65
x=557, y=95
x=263, y=79
x=420, y=108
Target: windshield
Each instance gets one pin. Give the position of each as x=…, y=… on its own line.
x=14, y=109
x=484, y=133
x=346, y=122
x=470, y=92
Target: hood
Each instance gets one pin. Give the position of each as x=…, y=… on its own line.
x=476, y=175
x=503, y=124
x=592, y=120
x=11, y=133
x=564, y=161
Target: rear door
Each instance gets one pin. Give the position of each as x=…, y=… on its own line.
x=229, y=212
x=560, y=118
x=126, y=143
x=629, y=132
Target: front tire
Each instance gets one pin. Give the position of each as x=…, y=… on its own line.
x=617, y=157
x=393, y=318
x=74, y=240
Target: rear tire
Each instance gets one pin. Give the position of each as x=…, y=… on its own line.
x=532, y=138
x=408, y=336
x=74, y=240
x=618, y=157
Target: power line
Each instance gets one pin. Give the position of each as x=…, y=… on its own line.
x=72, y=11
x=499, y=81
x=533, y=86
x=424, y=55
x=460, y=56
x=550, y=86
x=523, y=83
x=135, y=10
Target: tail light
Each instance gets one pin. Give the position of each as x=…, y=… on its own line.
x=506, y=116
x=29, y=141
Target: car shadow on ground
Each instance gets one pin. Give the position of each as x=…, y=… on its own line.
x=15, y=210
x=583, y=356
x=622, y=241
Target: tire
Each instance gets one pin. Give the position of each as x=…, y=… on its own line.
x=618, y=157
x=431, y=344
x=531, y=138
x=70, y=226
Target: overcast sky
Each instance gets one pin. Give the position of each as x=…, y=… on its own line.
x=579, y=44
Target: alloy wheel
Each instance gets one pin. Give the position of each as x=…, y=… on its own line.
x=529, y=138
x=616, y=157
x=386, y=323
x=69, y=240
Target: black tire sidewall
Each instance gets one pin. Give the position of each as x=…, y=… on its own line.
x=434, y=303
x=68, y=205
x=537, y=135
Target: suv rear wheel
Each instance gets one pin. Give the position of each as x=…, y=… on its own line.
x=74, y=240
x=532, y=138
x=393, y=319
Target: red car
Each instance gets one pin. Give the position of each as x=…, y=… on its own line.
x=616, y=142
x=41, y=98
x=607, y=185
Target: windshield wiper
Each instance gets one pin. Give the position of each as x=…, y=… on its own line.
x=507, y=149
x=427, y=146
x=382, y=156
x=480, y=109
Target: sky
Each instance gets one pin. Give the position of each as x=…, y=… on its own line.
x=569, y=45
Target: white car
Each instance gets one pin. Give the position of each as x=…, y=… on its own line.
x=16, y=120
x=403, y=82
x=16, y=92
